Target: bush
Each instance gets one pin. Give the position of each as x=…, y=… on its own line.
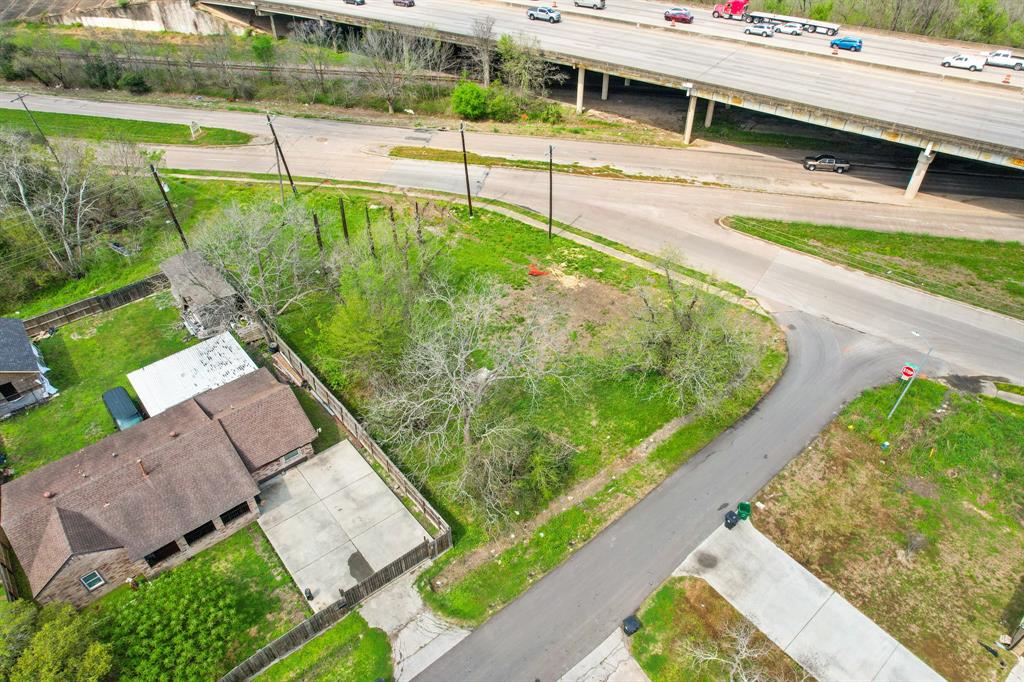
x=101, y=73
x=469, y=101
x=134, y=83
x=502, y=103
x=263, y=49
x=64, y=648
x=548, y=113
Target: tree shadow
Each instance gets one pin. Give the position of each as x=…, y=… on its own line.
x=63, y=374
x=1013, y=613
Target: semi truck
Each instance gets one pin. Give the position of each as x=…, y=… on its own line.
x=737, y=9
x=1006, y=59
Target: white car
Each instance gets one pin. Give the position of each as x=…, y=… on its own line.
x=964, y=61
x=792, y=28
x=544, y=13
x=763, y=30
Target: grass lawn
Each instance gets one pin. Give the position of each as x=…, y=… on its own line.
x=86, y=358
x=327, y=427
x=927, y=536
x=122, y=130
x=258, y=602
x=1010, y=388
x=686, y=614
x=351, y=651
x=988, y=274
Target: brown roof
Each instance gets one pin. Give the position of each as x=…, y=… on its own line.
x=100, y=498
x=194, y=281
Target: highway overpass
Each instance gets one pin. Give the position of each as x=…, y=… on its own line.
x=980, y=121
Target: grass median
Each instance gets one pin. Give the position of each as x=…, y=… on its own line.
x=118, y=129
x=985, y=273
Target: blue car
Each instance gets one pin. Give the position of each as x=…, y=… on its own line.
x=848, y=43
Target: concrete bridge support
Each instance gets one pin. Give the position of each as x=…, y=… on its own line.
x=691, y=111
x=581, y=77
x=709, y=114
x=604, y=86
x=924, y=159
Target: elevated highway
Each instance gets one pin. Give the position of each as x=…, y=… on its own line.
x=948, y=116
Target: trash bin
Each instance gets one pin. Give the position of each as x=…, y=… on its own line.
x=731, y=519
x=743, y=510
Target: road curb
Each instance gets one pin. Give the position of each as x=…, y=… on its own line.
x=739, y=41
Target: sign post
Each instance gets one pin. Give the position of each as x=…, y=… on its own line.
x=907, y=374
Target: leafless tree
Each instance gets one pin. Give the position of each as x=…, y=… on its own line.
x=317, y=41
x=741, y=655
x=393, y=60
x=523, y=68
x=482, y=45
x=267, y=253
x=691, y=339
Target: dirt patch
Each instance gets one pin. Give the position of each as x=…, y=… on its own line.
x=920, y=486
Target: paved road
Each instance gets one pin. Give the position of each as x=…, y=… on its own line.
x=961, y=109
x=569, y=612
x=971, y=340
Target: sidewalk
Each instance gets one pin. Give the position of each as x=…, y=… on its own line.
x=806, y=618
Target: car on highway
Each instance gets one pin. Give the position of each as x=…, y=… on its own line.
x=679, y=15
x=355, y=2
x=964, y=61
x=1006, y=59
x=826, y=162
x=592, y=4
x=404, y=3
x=848, y=43
x=792, y=28
x=759, y=30
x=544, y=13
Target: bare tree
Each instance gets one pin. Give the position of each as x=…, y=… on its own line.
x=523, y=68
x=393, y=60
x=482, y=45
x=741, y=655
x=317, y=41
x=267, y=253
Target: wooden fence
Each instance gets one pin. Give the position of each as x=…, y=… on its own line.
x=322, y=620
x=96, y=304
x=443, y=539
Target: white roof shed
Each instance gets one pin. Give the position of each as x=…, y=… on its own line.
x=188, y=373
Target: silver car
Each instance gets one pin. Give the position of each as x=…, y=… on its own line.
x=592, y=4
x=792, y=28
x=544, y=14
x=763, y=30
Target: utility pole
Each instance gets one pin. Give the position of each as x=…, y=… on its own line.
x=551, y=186
x=914, y=376
x=280, y=178
x=277, y=146
x=465, y=167
x=369, y=232
x=46, y=141
x=167, y=203
x=344, y=220
x=319, y=237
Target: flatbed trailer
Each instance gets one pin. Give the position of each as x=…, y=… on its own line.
x=737, y=9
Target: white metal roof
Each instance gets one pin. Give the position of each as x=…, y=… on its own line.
x=188, y=373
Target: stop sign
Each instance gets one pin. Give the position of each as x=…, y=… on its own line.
x=908, y=372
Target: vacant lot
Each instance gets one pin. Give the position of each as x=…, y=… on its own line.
x=926, y=536
x=988, y=274
x=686, y=621
x=351, y=651
x=200, y=619
x=86, y=358
x=121, y=130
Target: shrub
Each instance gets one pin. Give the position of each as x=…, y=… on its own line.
x=134, y=83
x=469, y=101
x=502, y=103
x=64, y=648
x=263, y=49
x=548, y=113
x=101, y=73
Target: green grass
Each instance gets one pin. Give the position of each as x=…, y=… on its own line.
x=686, y=612
x=267, y=603
x=122, y=130
x=925, y=535
x=328, y=429
x=86, y=358
x=988, y=274
x=1010, y=388
x=351, y=651
x=474, y=597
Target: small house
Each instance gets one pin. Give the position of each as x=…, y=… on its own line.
x=208, y=303
x=22, y=373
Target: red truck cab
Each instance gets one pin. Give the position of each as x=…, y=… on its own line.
x=732, y=9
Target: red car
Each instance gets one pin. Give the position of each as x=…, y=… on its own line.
x=680, y=15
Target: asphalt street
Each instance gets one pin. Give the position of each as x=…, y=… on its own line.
x=952, y=107
x=562, y=617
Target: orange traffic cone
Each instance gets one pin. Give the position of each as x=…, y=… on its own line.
x=835, y=50
x=1006, y=79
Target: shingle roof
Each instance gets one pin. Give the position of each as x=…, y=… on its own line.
x=16, y=353
x=197, y=457
x=194, y=281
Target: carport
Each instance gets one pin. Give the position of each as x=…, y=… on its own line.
x=334, y=522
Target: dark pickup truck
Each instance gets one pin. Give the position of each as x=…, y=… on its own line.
x=826, y=162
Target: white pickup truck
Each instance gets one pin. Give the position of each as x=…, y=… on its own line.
x=1006, y=59
x=964, y=61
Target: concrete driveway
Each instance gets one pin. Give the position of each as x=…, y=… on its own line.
x=334, y=522
x=805, y=617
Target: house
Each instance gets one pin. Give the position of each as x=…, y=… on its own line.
x=178, y=377
x=209, y=304
x=147, y=498
x=22, y=380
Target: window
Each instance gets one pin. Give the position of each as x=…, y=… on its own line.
x=201, y=531
x=233, y=513
x=168, y=550
x=92, y=580
x=8, y=391
x=290, y=456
